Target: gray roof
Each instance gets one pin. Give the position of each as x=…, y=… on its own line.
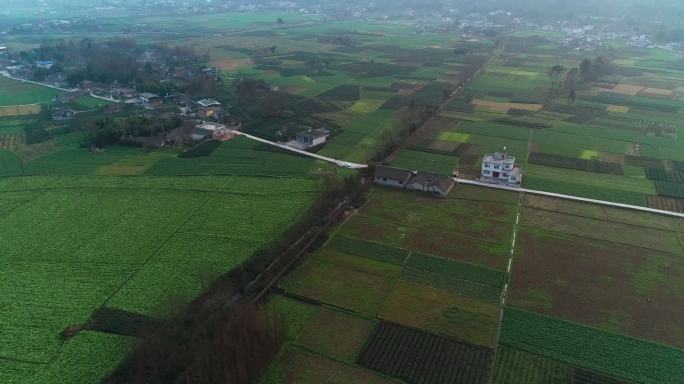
x=208, y=103
x=426, y=178
x=146, y=95
x=392, y=173
x=314, y=134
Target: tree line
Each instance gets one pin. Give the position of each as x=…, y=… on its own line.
x=564, y=79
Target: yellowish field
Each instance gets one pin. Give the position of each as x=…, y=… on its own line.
x=20, y=110
x=131, y=165
x=505, y=107
x=626, y=89
x=11, y=140
x=658, y=91
x=455, y=137
x=588, y=154
x=231, y=65
x=366, y=105
x=617, y=108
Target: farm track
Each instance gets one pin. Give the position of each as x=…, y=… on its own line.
x=7, y=75
x=570, y=197
x=341, y=163
x=507, y=279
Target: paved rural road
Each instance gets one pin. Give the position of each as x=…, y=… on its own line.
x=569, y=197
x=7, y=75
x=346, y=164
x=341, y=163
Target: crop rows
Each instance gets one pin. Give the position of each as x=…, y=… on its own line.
x=670, y=106
x=11, y=140
x=420, y=357
x=643, y=161
x=601, y=351
x=202, y=149
x=660, y=174
x=582, y=376
x=669, y=189
x=451, y=284
x=665, y=203
x=455, y=269
x=369, y=249
x=574, y=163
x=524, y=124
x=518, y=367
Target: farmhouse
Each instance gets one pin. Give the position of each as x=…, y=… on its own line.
x=68, y=97
x=413, y=180
x=150, y=100
x=113, y=108
x=312, y=138
x=63, y=114
x=498, y=167
x=391, y=177
x=45, y=64
x=431, y=183
x=209, y=131
x=208, y=103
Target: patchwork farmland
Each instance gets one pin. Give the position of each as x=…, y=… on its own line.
x=484, y=286
x=618, y=140
x=126, y=230
x=583, y=305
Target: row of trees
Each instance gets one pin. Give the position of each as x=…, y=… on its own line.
x=110, y=131
x=587, y=71
x=120, y=59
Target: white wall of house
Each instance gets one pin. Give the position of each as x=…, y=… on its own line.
x=318, y=141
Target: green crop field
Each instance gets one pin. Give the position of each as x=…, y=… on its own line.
x=128, y=243
x=575, y=344
x=323, y=334
x=628, y=270
x=374, y=276
x=518, y=367
x=589, y=291
x=13, y=92
x=462, y=229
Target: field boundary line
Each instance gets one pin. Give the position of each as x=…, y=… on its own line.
x=295, y=345
x=41, y=192
x=611, y=242
x=680, y=233
x=458, y=234
x=600, y=219
x=19, y=105
x=156, y=251
x=507, y=281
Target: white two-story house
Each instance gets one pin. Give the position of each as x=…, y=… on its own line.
x=498, y=167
